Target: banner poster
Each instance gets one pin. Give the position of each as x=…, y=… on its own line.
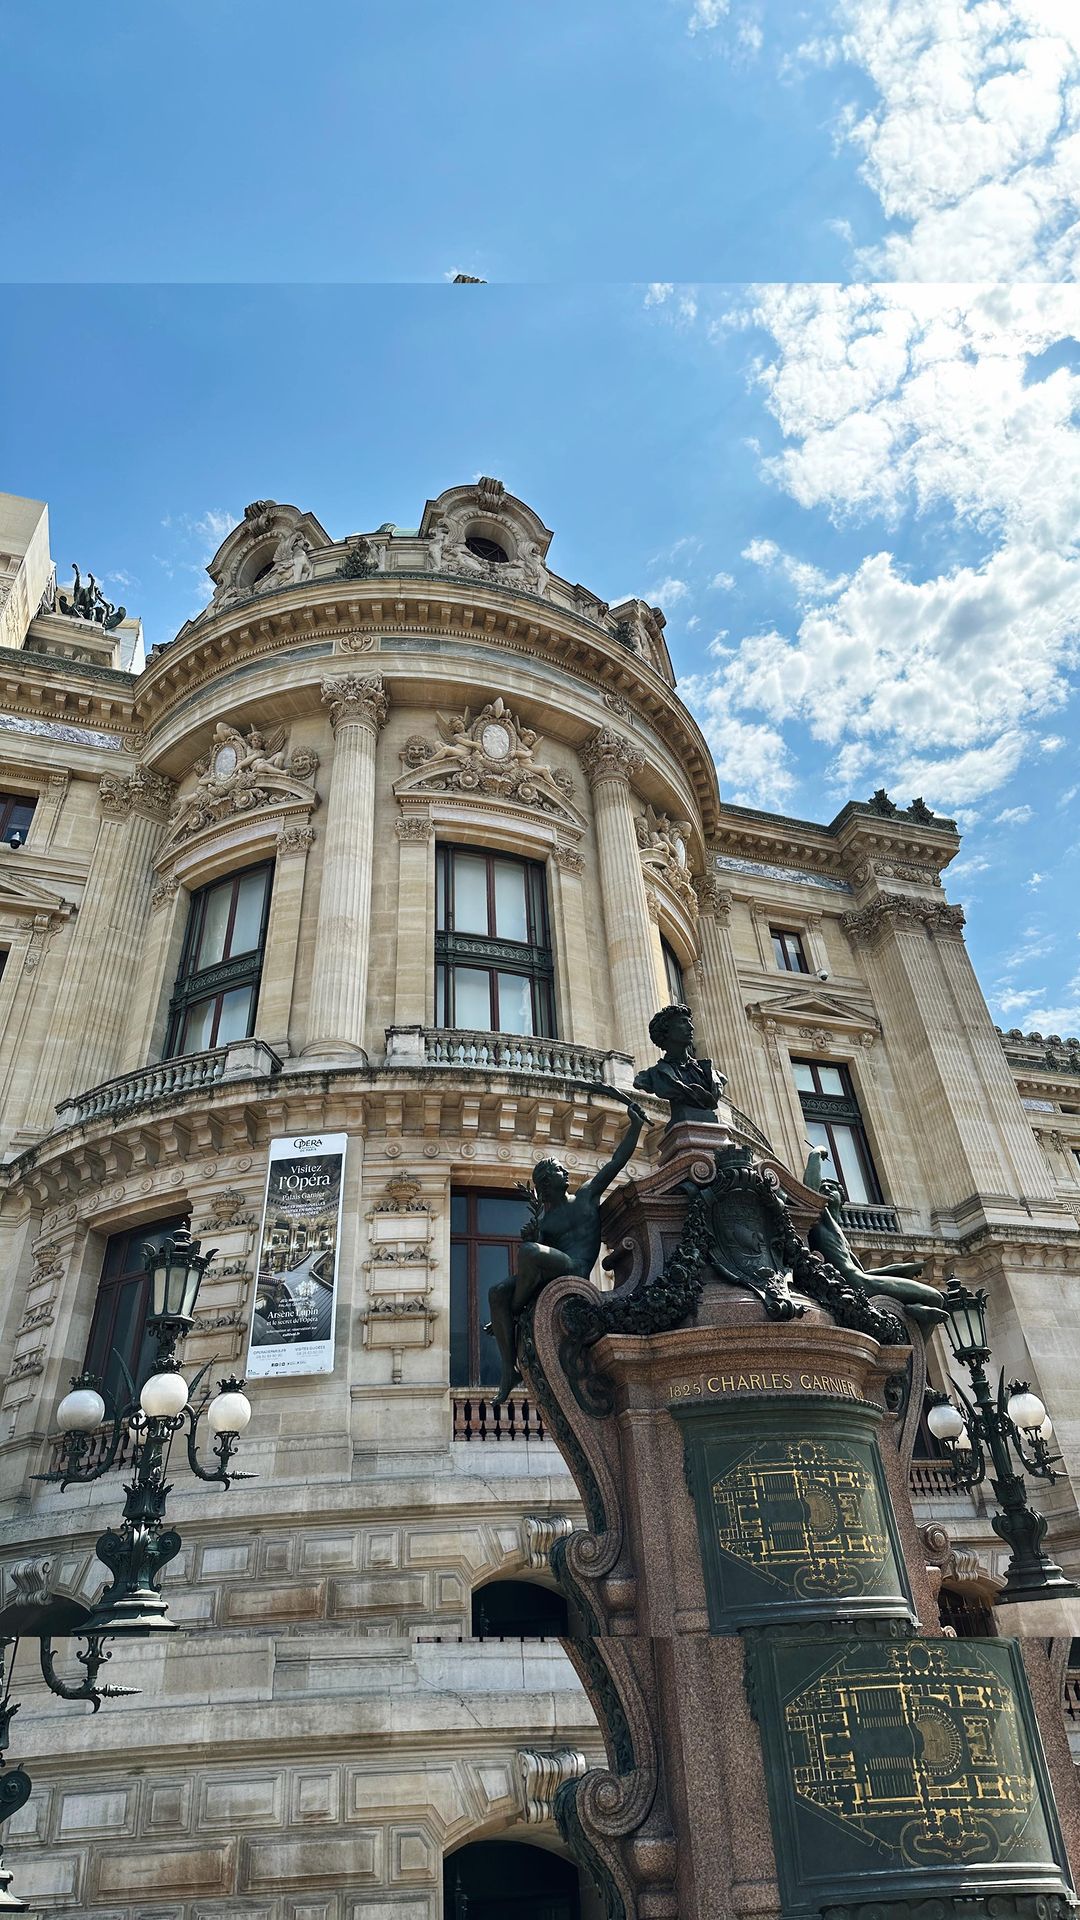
x=292, y=1324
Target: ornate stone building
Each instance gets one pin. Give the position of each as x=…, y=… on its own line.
x=405, y=838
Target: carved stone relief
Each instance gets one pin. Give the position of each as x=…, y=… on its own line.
x=665, y=854
x=491, y=755
x=243, y=773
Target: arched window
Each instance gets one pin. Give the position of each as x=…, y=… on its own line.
x=118, y=1353
x=217, y=986
x=485, y=1234
x=518, y=1610
x=493, y=965
x=486, y=549
x=507, y=1880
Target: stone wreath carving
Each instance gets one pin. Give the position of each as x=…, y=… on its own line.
x=493, y=755
x=242, y=773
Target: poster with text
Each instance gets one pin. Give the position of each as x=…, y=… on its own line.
x=292, y=1324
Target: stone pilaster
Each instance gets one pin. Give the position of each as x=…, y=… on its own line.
x=609, y=762
x=86, y=1039
x=414, y=973
x=292, y=847
x=723, y=1034
x=358, y=707
x=572, y=956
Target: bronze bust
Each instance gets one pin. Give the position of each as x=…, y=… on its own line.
x=691, y=1087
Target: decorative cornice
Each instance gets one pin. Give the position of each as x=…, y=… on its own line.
x=356, y=697
x=609, y=756
x=893, y=912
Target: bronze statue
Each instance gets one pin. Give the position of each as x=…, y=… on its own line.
x=568, y=1241
x=899, y=1279
x=691, y=1087
x=89, y=603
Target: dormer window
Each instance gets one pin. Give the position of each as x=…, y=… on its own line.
x=485, y=549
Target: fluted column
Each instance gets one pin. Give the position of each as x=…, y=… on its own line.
x=337, y=1013
x=609, y=761
x=724, y=1034
x=86, y=1037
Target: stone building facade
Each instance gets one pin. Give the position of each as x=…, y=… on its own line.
x=405, y=838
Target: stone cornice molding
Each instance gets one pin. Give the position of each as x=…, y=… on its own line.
x=895, y=913
x=355, y=698
x=142, y=792
x=610, y=756
x=344, y=615
x=815, y=1014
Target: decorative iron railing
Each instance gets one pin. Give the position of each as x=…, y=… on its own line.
x=476, y=1418
x=933, y=1479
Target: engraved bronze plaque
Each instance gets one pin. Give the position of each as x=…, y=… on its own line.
x=897, y=1767
x=793, y=1512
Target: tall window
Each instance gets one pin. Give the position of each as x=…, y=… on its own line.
x=833, y=1121
x=788, y=950
x=118, y=1353
x=485, y=1235
x=16, y=813
x=676, y=985
x=493, y=968
x=217, y=987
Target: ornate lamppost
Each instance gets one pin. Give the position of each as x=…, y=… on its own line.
x=143, y=1544
x=1013, y=1418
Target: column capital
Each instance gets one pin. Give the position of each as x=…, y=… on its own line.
x=610, y=756
x=295, y=839
x=414, y=827
x=356, y=696
x=713, y=899
x=140, y=792
x=890, y=912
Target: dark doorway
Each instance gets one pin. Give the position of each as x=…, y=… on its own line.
x=501, y=1880
x=518, y=1610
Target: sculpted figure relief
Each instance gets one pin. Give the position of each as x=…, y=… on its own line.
x=568, y=1241
x=899, y=1279
x=692, y=1087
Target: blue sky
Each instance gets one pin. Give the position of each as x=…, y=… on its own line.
x=858, y=502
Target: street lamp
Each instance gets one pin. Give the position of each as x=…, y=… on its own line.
x=1016, y=1418
x=136, y=1552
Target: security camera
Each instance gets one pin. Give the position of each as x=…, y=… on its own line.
x=823, y=973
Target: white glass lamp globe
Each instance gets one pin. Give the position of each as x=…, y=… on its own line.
x=164, y=1395
x=1046, y=1431
x=228, y=1413
x=962, y=1442
x=80, y=1411
x=945, y=1422
x=1026, y=1411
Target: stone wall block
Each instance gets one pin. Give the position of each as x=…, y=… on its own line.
x=150, y=1873
x=354, y=1859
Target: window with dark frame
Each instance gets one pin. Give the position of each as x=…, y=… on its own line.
x=485, y=1239
x=16, y=813
x=676, y=985
x=833, y=1120
x=493, y=964
x=119, y=1353
x=217, y=987
x=788, y=950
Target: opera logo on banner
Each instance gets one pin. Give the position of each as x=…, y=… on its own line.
x=292, y=1326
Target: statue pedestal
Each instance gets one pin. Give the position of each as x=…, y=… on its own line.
x=787, y=1730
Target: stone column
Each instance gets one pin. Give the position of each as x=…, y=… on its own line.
x=725, y=1035
x=283, y=935
x=609, y=761
x=337, y=1014
x=85, y=1044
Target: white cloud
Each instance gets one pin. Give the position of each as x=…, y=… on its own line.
x=807, y=581
x=658, y=292
x=214, y=524
x=1069, y=795
x=972, y=144
x=752, y=760
x=1013, y=816
x=1051, y=743
x=707, y=14
x=964, y=869
x=723, y=582
x=1036, y=880
x=670, y=592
